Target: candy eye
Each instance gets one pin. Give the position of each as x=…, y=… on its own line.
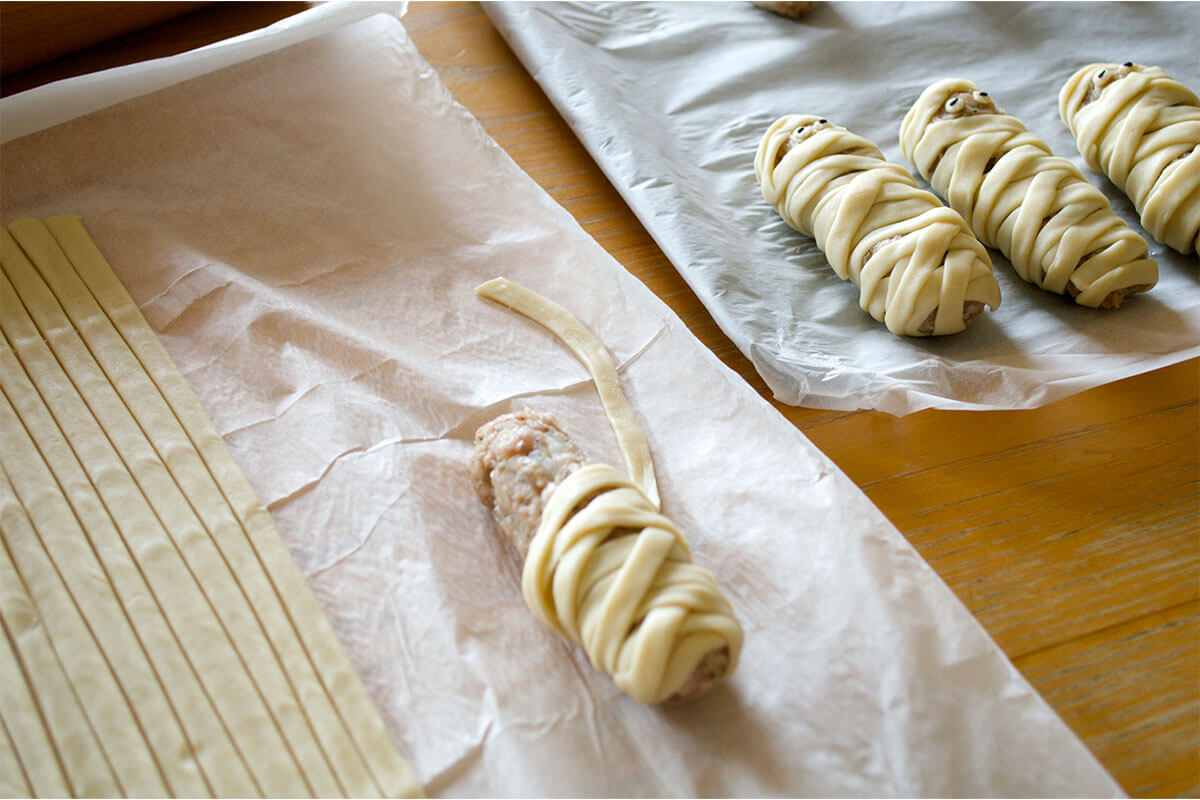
x=822, y=122
x=799, y=131
x=1104, y=77
x=1127, y=64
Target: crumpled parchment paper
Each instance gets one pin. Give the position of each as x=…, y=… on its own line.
x=305, y=230
x=671, y=100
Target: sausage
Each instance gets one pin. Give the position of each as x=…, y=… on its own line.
x=675, y=635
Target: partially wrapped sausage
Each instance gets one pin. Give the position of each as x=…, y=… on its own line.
x=602, y=565
x=1056, y=229
x=918, y=268
x=1141, y=128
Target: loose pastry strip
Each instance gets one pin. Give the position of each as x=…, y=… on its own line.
x=1056, y=228
x=165, y=641
x=919, y=269
x=1141, y=128
x=602, y=566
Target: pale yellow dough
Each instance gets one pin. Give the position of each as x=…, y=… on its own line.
x=1141, y=128
x=918, y=268
x=592, y=353
x=605, y=568
x=1056, y=229
x=159, y=640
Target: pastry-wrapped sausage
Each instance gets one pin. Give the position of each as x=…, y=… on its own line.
x=1037, y=208
x=601, y=565
x=1140, y=128
x=918, y=268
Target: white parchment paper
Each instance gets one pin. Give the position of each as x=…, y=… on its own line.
x=671, y=100
x=304, y=230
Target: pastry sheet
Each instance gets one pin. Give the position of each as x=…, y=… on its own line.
x=304, y=230
x=671, y=100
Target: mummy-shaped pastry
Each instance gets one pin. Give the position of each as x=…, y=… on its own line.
x=1056, y=229
x=1142, y=129
x=918, y=268
x=602, y=566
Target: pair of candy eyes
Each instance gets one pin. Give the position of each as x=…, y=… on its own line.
x=1102, y=75
x=800, y=130
x=952, y=104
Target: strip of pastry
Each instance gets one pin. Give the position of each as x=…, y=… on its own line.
x=72, y=636
x=602, y=566
x=252, y=704
x=1056, y=229
x=918, y=268
x=347, y=723
x=190, y=651
x=1141, y=128
x=592, y=353
x=14, y=782
x=41, y=766
x=87, y=550
x=131, y=549
x=246, y=603
x=81, y=755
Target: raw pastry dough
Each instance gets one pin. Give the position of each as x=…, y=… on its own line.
x=602, y=566
x=1036, y=208
x=1142, y=129
x=146, y=592
x=595, y=356
x=918, y=268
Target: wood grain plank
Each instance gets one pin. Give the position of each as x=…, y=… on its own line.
x=1149, y=732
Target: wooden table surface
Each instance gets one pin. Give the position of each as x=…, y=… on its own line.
x=1072, y=531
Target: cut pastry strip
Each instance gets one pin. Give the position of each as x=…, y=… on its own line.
x=248, y=703
x=1141, y=128
x=117, y=421
x=592, y=353
x=247, y=604
x=14, y=781
x=918, y=268
x=24, y=719
x=602, y=566
x=1056, y=229
x=137, y=556
x=86, y=769
x=192, y=629
x=346, y=721
x=87, y=550
x=60, y=608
